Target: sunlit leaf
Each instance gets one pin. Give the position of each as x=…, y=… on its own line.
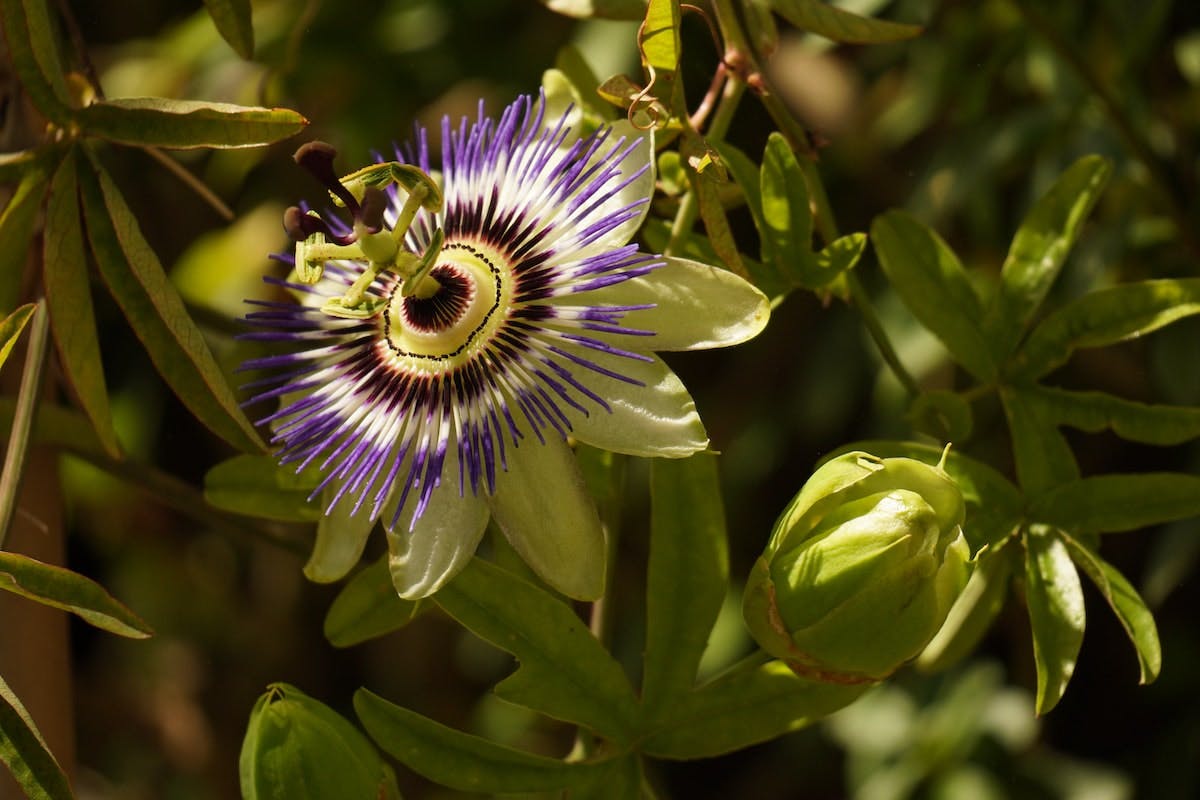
x=972, y=613
x=840, y=25
x=297, y=748
x=927, y=275
x=1118, y=502
x=687, y=575
x=69, y=301
x=33, y=51
x=1138, y=422
x=161, y=122
x=1054, y=598
x=716, y=223
x=16, y=233
x=745, y=173
x=459, y=760
x=787, y=240
x=833, y=261
x=1126, y=604
x=659, y=39
x=11, y=328
x=232, y=19
x=1043, y=456
x=745, y=708
x=24, y=752
x=368, y=607
x=1105, y=317
x=1039, y=249
x=259, y=487
x=60, y=588
x=157, y=314
x=564, y=672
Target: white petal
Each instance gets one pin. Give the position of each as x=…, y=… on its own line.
x=341, y=538
x=656, y=417
x=544, y=509
x=697, y=307
x=442, y=541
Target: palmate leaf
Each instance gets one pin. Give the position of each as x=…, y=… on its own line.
x=1043, y=456
x=742, y=709
x=232, y=19
x=787, y=218
x=1097, y=411
x=60, y=588
x=69, y=301
x=25, y=754
x=1118, y=502
x=931, y=281
x=766, y=274
x=602, y=9
x=462, y=761
x=184, y=124
x=1105, y=317
x=687, y=576
x=16, y=232
x=157, y=314
x=659, y=37
x=11, y=328
x=368, y=607
x=564, y=671
x=1039, y=249
x=33, y=50
x=1125, y=602
x=840, y=25
x=1054, y=598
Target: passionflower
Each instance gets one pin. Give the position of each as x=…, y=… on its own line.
x=467, y=325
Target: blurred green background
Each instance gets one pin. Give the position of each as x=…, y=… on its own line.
x=963, y=126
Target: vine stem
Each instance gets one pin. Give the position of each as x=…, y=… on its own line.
x=27, y=399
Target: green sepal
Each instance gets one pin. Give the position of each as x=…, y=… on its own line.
x=368, y=607
x=972, y=613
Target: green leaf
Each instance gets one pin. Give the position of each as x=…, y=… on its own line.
x=16, y=233
x=972, y=613
x=1043, y=456
x=55, y=426
x=1118, y=502
x=787, y=240
x=927, y=275
x=69, y=301
x=259, y=487
x=232, y=18
x=1106, y=317
x=622, y=780
x=157, y=314
x=716, y=223
x=688, y=574
x=459, y=760
x=1055, y=601
x=161, y=122
x=16, y=165
x=603, y=9
x=1125, y=602
x=297, y=748
x=994, y=505
x=24, y=752
x=60, y=588
x=564, y=672
x=368, y=607
x=1039, y=249
x=33, y=50
x=11, y=328
x=341, y=539
x=1097, y=411
x=745, y=708
x=746, y=174
x=659, y=35
x=833, y=261
x=841, y=25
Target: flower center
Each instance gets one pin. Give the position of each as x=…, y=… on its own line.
x=450, y=310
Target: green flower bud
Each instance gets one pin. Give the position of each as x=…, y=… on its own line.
x=861, y=569
x=297, y=748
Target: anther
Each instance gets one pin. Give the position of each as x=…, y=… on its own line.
x=317, y=157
